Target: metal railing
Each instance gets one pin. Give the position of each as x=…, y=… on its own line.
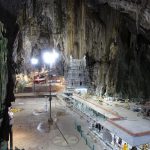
x=84, y=136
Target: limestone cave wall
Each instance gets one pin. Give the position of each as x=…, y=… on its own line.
x=8, y=32
x=118, y=55
x=114, y=40
x=116, y=49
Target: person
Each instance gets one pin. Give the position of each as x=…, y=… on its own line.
x=145, y=147
x=125, y=146
x=120, y=141
x=11, y=116
x=115, y=139
x=133, y=148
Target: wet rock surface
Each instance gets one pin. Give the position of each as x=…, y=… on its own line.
x=113, y=35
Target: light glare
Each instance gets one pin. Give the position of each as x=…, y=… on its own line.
x=34, y=61
x=50, y=57
x=55, y=54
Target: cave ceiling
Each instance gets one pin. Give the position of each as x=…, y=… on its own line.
x=138, y=10
x=134, y=8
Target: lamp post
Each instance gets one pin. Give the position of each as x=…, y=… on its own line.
x=50, y=58
x=34, y=62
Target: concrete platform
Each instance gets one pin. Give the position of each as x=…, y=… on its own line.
x=34, y=94
x=123, y=122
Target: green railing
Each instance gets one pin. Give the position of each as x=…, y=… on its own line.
x=84, y=136
x=83, y=108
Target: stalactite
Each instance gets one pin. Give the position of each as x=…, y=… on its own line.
x=34, y=7
x=58, y=16
x=82, y=33
x=137, y=18
x=70, y=26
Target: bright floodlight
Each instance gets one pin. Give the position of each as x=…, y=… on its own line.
x=34, y=61
x=56, y=55
x=50, y=57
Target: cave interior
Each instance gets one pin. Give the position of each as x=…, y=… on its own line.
x=113, y=36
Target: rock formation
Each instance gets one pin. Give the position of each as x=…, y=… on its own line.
x=114, y=35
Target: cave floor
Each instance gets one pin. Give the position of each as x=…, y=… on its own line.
x=32, y=131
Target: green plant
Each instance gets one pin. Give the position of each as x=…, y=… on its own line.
x=21, y=85
x=3, y=66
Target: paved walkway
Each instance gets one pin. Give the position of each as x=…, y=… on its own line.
x=32, y=131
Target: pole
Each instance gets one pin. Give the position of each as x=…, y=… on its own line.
x=34, y=86
x=50, y=101
x=34, y=81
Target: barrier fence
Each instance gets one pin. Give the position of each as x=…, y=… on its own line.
x=84, y=136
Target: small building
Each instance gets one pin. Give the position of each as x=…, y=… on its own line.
x=77, y=74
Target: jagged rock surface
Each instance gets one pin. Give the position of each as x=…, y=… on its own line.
x=114, y=35
x=117, y=48
x=118, y=56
